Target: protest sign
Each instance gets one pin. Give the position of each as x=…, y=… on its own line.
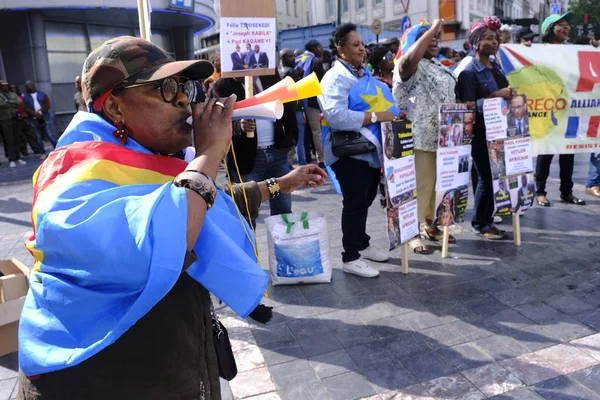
x=562, y=97
x=452, y=163
x=401, y=182
x=510, y=153
x=248, y=36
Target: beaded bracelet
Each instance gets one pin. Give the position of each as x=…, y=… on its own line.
x=273, y=186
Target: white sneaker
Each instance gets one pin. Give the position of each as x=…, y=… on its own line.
x=22, y=162
x=373, y=254
x=361, y=268
x=42, y=156
x=497, y=219
x=12, y=164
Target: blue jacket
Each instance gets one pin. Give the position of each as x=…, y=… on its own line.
x=475, y=83
x=41, y=96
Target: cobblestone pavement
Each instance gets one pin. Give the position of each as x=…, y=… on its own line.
x=493, y=320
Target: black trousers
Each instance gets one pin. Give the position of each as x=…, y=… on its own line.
x=27, y=135
x=11, y=139
x=484, y=192
x=359, y=187
x=542, y=171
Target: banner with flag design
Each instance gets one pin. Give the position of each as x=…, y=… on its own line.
x=562, y=84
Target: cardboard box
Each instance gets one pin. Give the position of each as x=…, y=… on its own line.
x=13, y=289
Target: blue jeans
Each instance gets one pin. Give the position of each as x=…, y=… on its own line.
x=594, y=174
x=271, y=163
x=300, y=150
x=39, y=132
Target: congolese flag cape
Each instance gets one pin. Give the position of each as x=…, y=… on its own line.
x=109, y=243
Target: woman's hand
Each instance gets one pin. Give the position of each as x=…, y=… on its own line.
x=212, y=127
x=507, y=93
x=386, y=116
x=306, y=175
x=437, y=25
x=248, y=125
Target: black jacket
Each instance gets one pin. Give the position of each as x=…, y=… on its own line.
x=286, y=128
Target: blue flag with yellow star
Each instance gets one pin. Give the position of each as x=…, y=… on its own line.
x=371, y=95
x=304, y=61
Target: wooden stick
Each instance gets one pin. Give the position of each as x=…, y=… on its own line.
x=405, y=258
x=517, y=229
x=249, y=88
x=445, y=243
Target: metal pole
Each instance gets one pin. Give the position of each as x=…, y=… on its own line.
x=144, y=19
x=377, y=38
x=339, y=12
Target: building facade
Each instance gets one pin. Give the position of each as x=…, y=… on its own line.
x=291, y=13
x=47, y=41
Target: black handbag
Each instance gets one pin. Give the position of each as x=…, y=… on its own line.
x=349, y=143
x=225, y=359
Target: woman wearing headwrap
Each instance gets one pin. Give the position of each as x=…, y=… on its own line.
x=481, y=79
x=421, y=85
x=555, y=30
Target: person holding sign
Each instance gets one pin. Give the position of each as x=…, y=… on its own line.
x=421, y=85
x=483, y=79
x=555, y=30
x=355, y=102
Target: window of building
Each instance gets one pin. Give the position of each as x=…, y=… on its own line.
x=345, y=5
x=100, y=34
x=68, y=46
x=378, y=2
x=287, y=7
x=360, y=4
x=296, y=8
x=330, y=8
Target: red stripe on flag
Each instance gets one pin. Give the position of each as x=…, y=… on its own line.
x=518, y=57
x=63, y=159
x=593, y=127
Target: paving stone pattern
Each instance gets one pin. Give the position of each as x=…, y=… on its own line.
x=491, y=321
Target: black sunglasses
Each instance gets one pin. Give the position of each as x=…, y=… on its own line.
x=169, y=89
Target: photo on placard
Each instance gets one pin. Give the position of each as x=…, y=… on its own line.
x=397, y=140
x=497, y=164
x=469, y=126
x=518, y=117
x=463, y=164
x=502, y=200
x=393, y=228
x=456, y=125
x=451, y=206
x=522, y=193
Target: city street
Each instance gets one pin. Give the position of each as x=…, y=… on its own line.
x=491, y=320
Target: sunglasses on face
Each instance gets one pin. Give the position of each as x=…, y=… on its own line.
x=169, y=88
x=388, y=56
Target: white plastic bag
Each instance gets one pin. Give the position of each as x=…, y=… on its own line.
x=298, y=248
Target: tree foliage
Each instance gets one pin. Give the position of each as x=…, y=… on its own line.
x=589, y=7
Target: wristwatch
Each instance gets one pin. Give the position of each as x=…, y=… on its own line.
x=373, y=117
